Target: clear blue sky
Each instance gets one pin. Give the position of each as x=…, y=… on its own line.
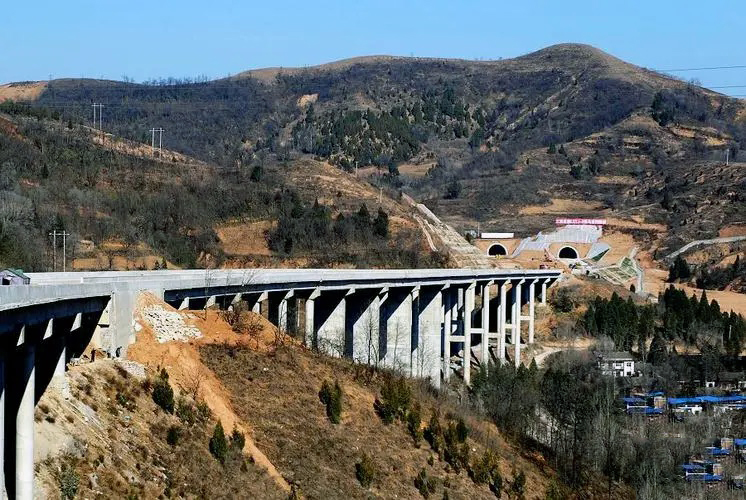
x=110, y=38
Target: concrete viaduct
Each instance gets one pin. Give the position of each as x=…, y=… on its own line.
x=430, y=323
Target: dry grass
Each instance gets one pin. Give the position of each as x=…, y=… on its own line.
x=561, y=206
x=22, y=91
x=278, y=393
x=122, y=451
x=246, y=238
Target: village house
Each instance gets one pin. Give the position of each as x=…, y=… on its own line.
x=616, y=364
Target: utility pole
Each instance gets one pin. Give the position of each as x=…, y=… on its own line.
x=100, y=113
x=160, y=140
x=727, y=154
x=64, y=250
x=53, y=234
x=64, y=235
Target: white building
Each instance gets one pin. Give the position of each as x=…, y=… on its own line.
x=616, y=364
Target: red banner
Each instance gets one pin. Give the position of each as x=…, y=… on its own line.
x=580, y=222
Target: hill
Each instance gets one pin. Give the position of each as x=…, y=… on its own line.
x=475, y=140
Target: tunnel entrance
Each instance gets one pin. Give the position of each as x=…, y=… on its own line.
x=568, y=253
x=497, y=250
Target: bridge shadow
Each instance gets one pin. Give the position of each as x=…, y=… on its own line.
x=47, y=354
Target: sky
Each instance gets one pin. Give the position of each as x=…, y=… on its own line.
x=143, y=40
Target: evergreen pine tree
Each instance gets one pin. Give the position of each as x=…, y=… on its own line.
x=218, y=443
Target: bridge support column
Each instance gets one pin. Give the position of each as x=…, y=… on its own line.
x=309, y=330
x=447, y=331
x=24, y=481
x=426, y=357
x=501, y=320
x=531, y=311
x=468, y=312
x=329, y=322
x=58, y=378
x=485, y=324
x=460, y=299
x=280, y=313
x=517, y=323
x=211, y=301
x=362, y=318
x=414, y=328
x=3, y=398
x=397, y=314
x=544, y=291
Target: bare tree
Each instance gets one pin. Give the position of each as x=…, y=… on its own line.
x=424, y=356
x=396, y=362
x=366, y=345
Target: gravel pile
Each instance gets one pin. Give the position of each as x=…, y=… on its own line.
x=132, y=367
x=169, y=326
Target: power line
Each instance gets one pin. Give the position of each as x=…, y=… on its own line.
x=725, y=86
x=706, y=68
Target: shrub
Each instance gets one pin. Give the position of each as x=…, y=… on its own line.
x=414, y=420
x=556, y=491
x=484, y=470
x=562, y=300
x=163, y=394
x=218, y=443
x=424, y=484
x=69, y=481
x=295, y=493
x=365, y=471
x=186, y=412
x=434, y=434
x=203, y=411
x=453, y=190
x=456, y=450
x=395, y=400
x=331, y=396
x=519, y=484
x=457, y=456
x=125, y=400
x=238, y=441
x=173, y=435
x=462, y=431
x=496, y=486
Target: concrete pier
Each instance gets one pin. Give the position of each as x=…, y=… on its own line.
x=447, y=331
x=516, y=320
x=24, y=439
x=3, y=397
x=485, y=311
x=396, y=330
x=426, y=356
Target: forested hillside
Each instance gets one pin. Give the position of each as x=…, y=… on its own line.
x=474, y=140
x=58, y=175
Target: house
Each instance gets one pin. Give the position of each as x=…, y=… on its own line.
x=650, y=404
x=706, y=471
x=732, y=380
x=13, y=277
x=616, y=364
